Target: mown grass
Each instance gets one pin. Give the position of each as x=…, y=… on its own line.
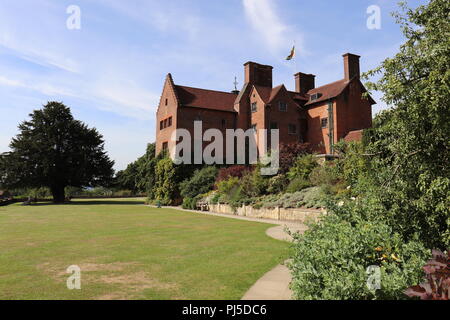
x=130, y=251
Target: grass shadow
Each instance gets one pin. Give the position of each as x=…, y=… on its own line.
x=90, y=203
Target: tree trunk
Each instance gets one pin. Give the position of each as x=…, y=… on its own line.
x=58, y=194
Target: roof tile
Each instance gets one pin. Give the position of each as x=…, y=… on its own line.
x=206, y=99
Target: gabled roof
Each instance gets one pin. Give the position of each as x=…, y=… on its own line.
x=332, y=90
x=206, y=99
x=328, y=91
x=264, y=92
x=268, y=94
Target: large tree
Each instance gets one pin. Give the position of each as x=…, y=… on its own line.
x=54, y=150
x=410, y=142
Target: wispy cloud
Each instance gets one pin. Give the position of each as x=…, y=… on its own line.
x=38, y=56
x=265, y=19
x=44, y=88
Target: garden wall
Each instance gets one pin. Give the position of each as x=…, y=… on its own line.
x=297, y=214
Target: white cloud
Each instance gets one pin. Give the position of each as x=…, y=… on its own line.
x=38, y=56
x=125, y=98
x=265, y=20
x=44, y=88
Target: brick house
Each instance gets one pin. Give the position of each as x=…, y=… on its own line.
x=320, y=116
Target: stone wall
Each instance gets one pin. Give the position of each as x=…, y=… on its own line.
x=297, y=214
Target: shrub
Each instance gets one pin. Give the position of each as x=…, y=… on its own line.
x=310, y=198
x=165, y=184
x=302, y=167
x=298, y=184
x=233, y=171
x=332, y=258
x=277, y=184
x=230, y=192
x=437, y=285
x=124, y=193
x=201, y=182
x=253, y=184
x=290, y=152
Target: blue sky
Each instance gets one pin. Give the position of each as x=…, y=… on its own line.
x=111, y=71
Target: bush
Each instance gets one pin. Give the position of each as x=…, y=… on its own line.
x=310, y=198
x=437, y=284
x=191, y=203
x=201, y=182
x=230, y=192
x=290, y=152
x=277, y=184
x=233, y=171
x=165, y=181
x=330, y=261
x=253, y=184
x=302, y=167
x=298, y=184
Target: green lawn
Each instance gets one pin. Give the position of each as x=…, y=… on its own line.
x=130, y=251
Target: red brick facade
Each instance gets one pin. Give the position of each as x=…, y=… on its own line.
x=321, y=116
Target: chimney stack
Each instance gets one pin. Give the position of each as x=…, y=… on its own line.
x=351, y=66
x=258, y=74
x=304, y=82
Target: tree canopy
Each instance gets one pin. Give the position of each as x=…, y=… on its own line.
x=410, y=142
x=54, y=150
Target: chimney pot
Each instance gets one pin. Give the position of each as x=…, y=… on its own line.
x=258, y=74
x=304, y=82
x=351, y=66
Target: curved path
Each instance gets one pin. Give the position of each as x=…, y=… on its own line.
x=274, y=285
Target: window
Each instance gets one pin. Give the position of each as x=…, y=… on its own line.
x=165, y=146
x=161, y=125
x=324, y=122
x=292, y=129
x=254, y=127
x=170, y=122
x=273, y=125
x=167, y=101
x=254, y=107
x=315, y=96
x=165, y=123
x=282, y=106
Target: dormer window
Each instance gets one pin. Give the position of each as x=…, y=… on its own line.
x=282, y=106
x=315, y=96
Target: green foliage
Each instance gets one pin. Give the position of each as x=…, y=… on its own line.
x=437, y=275
x=230, y=192
x=191, y=203
x=139, y=176
x=410, y=144
x=39, y=193
x=54, y=150
x=201, y=182
x=253, y=184
x=310, y=198
x=298, y=184
x=332, y=257
x=302, y=167
x=277, y=184
x=165, y=184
